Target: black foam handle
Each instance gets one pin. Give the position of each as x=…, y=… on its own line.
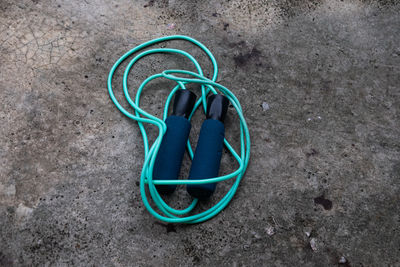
x=170, y=155
x=207, y=157
x=168, y=162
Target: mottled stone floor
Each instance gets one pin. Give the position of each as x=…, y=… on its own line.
x=319, y=84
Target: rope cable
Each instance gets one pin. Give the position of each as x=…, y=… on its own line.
x=167, y=213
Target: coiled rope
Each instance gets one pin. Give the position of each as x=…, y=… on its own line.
x=165, y=212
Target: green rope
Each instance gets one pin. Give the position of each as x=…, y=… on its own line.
x=167, y=213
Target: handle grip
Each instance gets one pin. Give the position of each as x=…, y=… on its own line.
x=207, y=158
x=170, y=155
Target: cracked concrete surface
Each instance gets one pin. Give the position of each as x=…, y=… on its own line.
x=322, y=187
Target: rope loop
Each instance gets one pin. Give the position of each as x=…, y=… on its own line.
x=165, y=212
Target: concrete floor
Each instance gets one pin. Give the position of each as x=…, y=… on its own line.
x=319, y=83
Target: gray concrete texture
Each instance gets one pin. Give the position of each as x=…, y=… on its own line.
x=319, y=84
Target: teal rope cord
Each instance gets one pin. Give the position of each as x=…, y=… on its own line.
x=167, y=213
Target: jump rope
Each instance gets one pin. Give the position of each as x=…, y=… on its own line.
x=163, y=158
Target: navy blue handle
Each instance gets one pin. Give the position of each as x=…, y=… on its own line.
x=170, y=155
x=207, y=158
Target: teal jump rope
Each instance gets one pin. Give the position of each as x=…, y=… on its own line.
x=214, y=99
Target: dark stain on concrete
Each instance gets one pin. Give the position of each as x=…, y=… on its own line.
x=326, y=203
x=169, y=227
x=243, y=59
x=226, y=25
x=149, y=4
x=312, y=152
